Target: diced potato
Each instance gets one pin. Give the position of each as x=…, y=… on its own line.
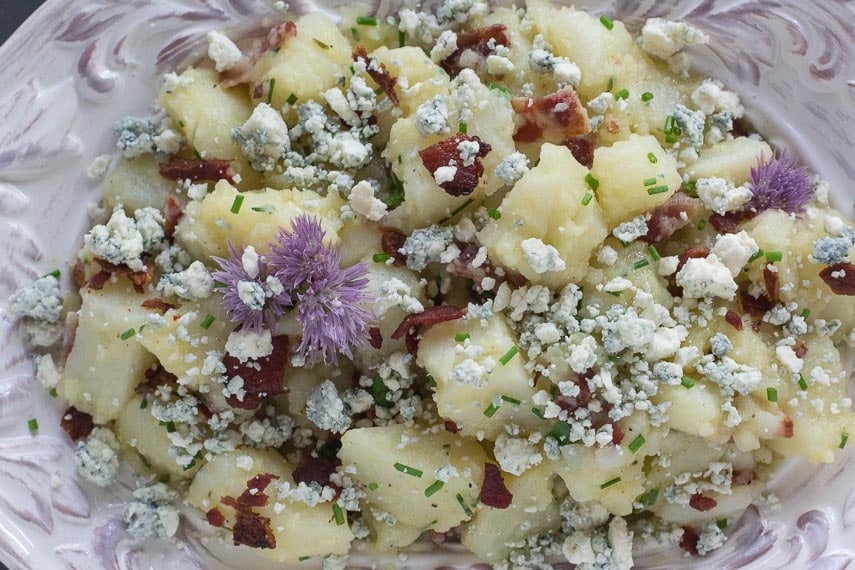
x=590, y=475
x=307, y=64
x=465, y=403
x=136, y=184
x=383, y=454
x=730, y=505
x=206, y=112
x=696, y=410
x=413, y=68
x=208, y=225
x=622, y=169
x=371, y=36
x=731, y=160
x=532, y=512
x=360, y=239
x=572, y=228
x=392, y=537
x=102, y=370
x=645, y=278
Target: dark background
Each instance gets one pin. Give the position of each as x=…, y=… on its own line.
x=13, y=13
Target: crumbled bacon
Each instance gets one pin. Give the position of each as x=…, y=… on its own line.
x=582, y=149
x=743, y=476
x=215, y=517
x=702, y=503
x=277, y=36
x=585, y=396
x=446, y=153
x=197, y=169
x=787, y=427
x=554, y=118
x=392, y=241
x=172, y=214
x=771, y=280
x=139, y=278
x=430, y=316
x=800, y=348
x=242, y=71
x=251, y=529
x=481, y=41
x=262, y=378
x=76, y=424
x=375, y=338
x=315, y=469
x=733, y=319
x=689, y=540
x=411, y=342
x=452, y=426
x=97, y=281
x=729, y=223
x=155, y=377
x=840, y=278
x=254, y=496
x=494, y=493
x=755, y=306
x=156, y=305
x=378, y=72
x=78, y=274
x=676, y=213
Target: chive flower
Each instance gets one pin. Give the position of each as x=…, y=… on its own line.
x=779, y=184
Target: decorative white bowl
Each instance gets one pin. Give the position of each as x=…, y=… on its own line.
x=78, y=65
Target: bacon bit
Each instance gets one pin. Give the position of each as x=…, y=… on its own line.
x=689, y=541
x=97, y=281
x=477, y=41
x=582, y=149
x=554, y=118
x=156, y=305
x=72, y=320
x=263, y=378
x=254, y=495
x=215, y=517
x=315, y=469
x=392, y=241
x=172, y=213
x=76, y=424
x=446, y=153
x=155, y=377
x=452, y=426
x=755, y=306
x=494, y=493
x=375, y=338
x=667, y=218
x=702, y=503
x=743, y=477
x=139, y=278
x=242, y=71
x=788, y=427
x=78, y=274
x=430, y=316
x=277, y=36
x=197, y=169
x=411, y=342
x=772, y=280
x=800, y=348
x=729, y=222
x=617, y=434
x=733, y=319
x=251, y=529
x=843, y=283
x=378, y=72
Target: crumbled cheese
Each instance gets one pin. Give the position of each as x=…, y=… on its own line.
x=444, y=174
x=469, y=372
x=97, y=458
x=263, y=138
x=516, y=455
x=788, y=358
x=150, y=222
x=499, y=65
x=607, y=255
x=40, y=300
x=512, y=168
x=711, y=97
x=691, y=123
x=734, y=250
x=730, y=376
x=395, y=293
x=541, y=257
x=446, y=45
x=325, y=408
x=192, y=284
x=245, y=344
x=432, y=117
x=710, y=538
x=427, y=245
x=707, y=277
x=363, y=202
x=601, y=103
x=223, y=51
x=668, y=265
x=98, y=169
x=831, y=250
x=631, y=230
x=721, y=196
x=149, y=513
x=46, y=371
x=664, y=38
x=118, y=242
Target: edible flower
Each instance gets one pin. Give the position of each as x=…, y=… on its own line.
x=780, y=184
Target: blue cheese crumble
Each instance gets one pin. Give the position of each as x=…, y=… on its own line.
x=40, y=300
x=97, y=457
x=150, y=513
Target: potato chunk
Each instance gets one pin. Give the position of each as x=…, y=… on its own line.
x=731, y=160
x=136, y=184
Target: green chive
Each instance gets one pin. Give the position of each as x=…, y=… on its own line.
x=586, y=199
x=56, y=273
x=689, y=188
x=402, y=36
x=433, y=488
x=611, y=84
x=641, y=263
x=772, y=394
x=321, y=44
x=494, y=213
x=721, y=523
x=462, y=127
x=654, y=253
x=339, y=515
x=687, y=382
x=592, y=182
x=373, y=486
x=622, y=94
x=170, y=426
x=607, y=22
x=380, y=257
x=53, y=393
x=366, y=21
x=33, y=424
x=265, y=209
x=303, y=558
x=128, y=334
x=652, y=158
x=538, y=412
x=510, y=400
x=636, y=443
x=182, y=124
x=407, y=470
x=143, y=404
x=671, y=139
x=491, y=410
x=509, y=354
x=773, y=256
x=805, y=314
x=649, y=181
x=501, y=89
x=209, y=320
x=560, y=432
x=756, y=256
x=669, y=125
x=463, y=504
x=461, y=337
x=701, y=225
x=657, y=190
x=355, y=33
x=844, y=437
x=380, y=393
x=802, y=382
x=237, y=203
x=270, y=90
x=292, y=98
x=610, y=482
x=648, y=498
x=646, y=96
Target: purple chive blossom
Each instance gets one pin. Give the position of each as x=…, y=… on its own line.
x=779, y=184
x=252, y=295
x=328, y=297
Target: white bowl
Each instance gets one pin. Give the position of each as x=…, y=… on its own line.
x=78, y=65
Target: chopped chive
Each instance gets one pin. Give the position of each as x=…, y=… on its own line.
x=491, y=410
x=55, y=273
x=805, y=314
x=380, y=257
x=654, y=253
x=586, y=199
x=610, y=482
x=701, y=225
x=501, y=89
x=402, y=37
x=687, y=382
x=647, y=498
x=494, y=213
x=462, y=127
x=33, y=424
x=182, y=124
x=607, y=22
x=338, y=514
x=207, y=322
x=303, y=558
x=355, y=33
x=321, y=44
x=145, y=461
x=772, y=394
x=143, y=404
x=511, y=400
x=652, y=158
x=646, y=96
x=380, y=393
x=689, y=188
x=378, y=90
x=373, y=486
x=636, y=443
x=756, y=256
x=669, y=125
x=622, y=94
x=538, y=412
x=163, y=478
x=592, y=182
x=407, y=470
x=509, y=354
x=649, y=181
x=657, y=190
x=170, y=426
x=614, y=293
x=237, y=204
x=270, y=90
x=461, y=337
x=292, y=98
x=560, y=432
x=844, y=437
x=611, y=84
x=462, y=207
x=463, y=504
x=265, y=209
x=53, y=393
x=802, y=382
x=721, y=523
x=128, y=334
x=433, y=488
x=773, y=256
x=671, y=139
x=640, y=263
x=366, y=21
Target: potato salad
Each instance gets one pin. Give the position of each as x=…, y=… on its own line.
x=515, y=279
